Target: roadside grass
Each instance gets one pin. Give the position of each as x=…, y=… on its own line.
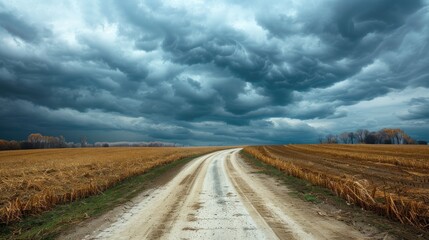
x=50, y=224
x=300, y=188
x=311, y=198
x=350, y=214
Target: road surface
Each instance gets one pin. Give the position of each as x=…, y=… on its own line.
x=219, y=196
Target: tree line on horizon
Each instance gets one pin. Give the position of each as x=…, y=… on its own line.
x=35, y=141
x=39, y=141
x=364, y=136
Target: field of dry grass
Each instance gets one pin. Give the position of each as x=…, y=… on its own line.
x=32, y=181
x=391, y=180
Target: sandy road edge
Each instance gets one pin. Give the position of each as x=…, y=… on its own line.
x=95, y=224
x=288, y=217
x=161, y=221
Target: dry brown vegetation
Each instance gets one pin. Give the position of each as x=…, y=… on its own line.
x=391, y=180
x=32, y=181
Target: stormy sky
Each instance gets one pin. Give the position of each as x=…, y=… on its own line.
x=213, y=72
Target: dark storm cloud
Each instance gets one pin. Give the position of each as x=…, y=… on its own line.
x=356, y=19
x=418, y=110
x=217, y=72
x=18, y=27
x=356, y=32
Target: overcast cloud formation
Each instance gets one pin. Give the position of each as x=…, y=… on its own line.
x=213, y=72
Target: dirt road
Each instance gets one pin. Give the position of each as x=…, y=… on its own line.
x=219, y=196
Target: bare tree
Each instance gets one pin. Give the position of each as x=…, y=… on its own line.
x=344, y=137
x=361, y=134
x=83, y=141
x=383, y=136
x=62, y=142
x=35, y=140
x=331, y=139
x=352, y=137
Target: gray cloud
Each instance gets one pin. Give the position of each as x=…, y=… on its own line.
x=418, y=110
x=18, y=27
x=206, y=73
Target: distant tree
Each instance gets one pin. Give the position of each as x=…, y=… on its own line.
x=83, y=141
x=405, y=138
x=389, y=134
x=361, y=134
x=26, y=145
x=372, y=138
x=9, y=145
x=352, y=137
x=14, y=145
x=344, y=137
x=409, y=140
x=62, y=142
x=4, y=145
x=331, y=139
x=35, y=140
x=105, y=145
x=422, y=142
x=395, y=136
x=383, y=136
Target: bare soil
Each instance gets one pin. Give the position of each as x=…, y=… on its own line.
x=398, y=178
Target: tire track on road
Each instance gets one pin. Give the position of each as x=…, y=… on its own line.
x=217, y=197
x=288, y=218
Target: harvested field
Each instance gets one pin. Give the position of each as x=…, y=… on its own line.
x=32, y=181
x=391, y=180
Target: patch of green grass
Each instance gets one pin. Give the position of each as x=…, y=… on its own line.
x=50, y=224
x=300, y=188
x=310, y=198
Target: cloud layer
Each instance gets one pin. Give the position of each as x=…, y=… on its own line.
x=213, y=72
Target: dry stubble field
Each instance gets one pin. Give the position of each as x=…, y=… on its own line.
x=391, y=180
x=32, y=181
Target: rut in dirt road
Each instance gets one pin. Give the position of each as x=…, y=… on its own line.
x=218, y=197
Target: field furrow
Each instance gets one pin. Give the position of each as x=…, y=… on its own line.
x=391, y=180
x=32, y=181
